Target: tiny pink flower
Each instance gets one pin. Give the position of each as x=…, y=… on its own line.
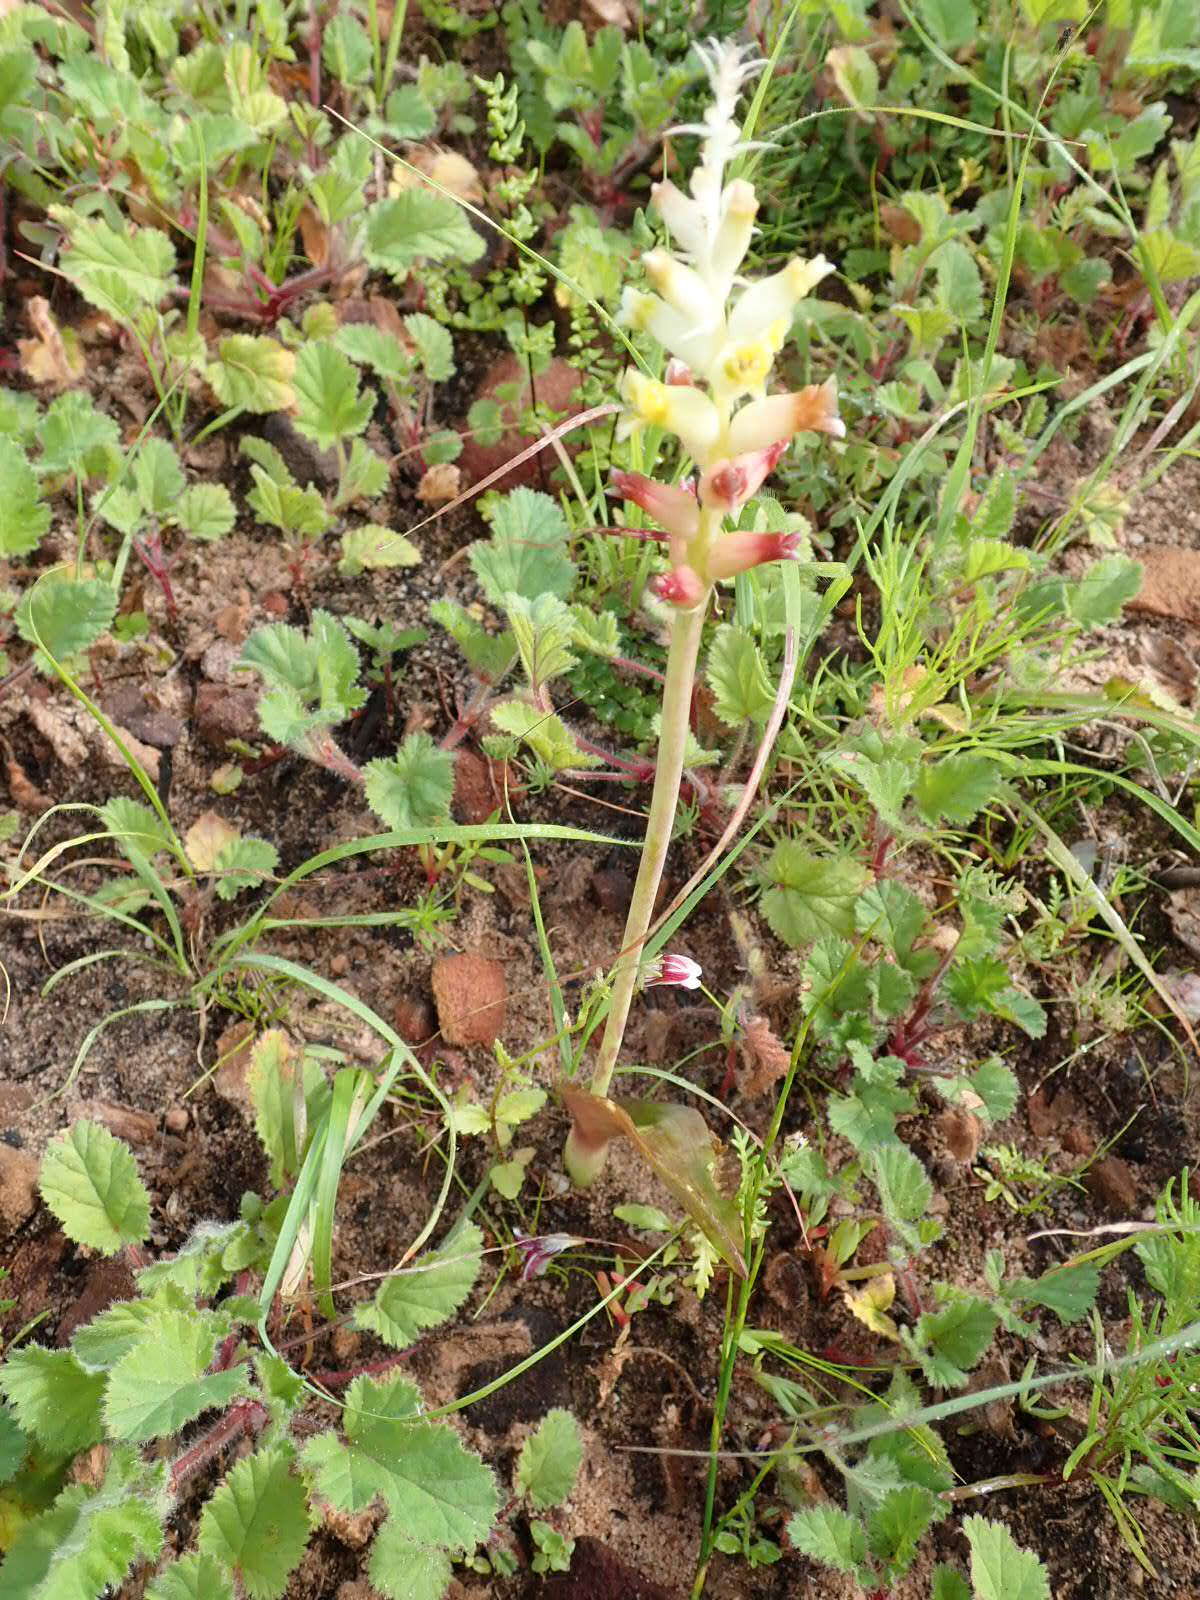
x=679, y=374
x=674, y=508
x=727, y=486
x=682, y=586
x=674, y=972
x=537, y=1251
x=738, y=552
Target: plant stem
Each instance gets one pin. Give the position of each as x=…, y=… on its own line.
x=686, y=633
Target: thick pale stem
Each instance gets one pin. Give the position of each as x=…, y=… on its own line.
x=585, y=1166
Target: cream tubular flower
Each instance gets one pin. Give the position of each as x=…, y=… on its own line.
x=774, y=299
x=687, y=413
x=780, y=416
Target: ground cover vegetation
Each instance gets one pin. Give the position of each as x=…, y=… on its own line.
x=583, y=577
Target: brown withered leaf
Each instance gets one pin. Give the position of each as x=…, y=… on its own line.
x=440, y=483
x=51, y=358
x=961, y=1130
x=764, y=1055
x=675, y=1142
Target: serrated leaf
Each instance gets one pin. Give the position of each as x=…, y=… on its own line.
x=373, y=547
x=526, y=553
x=441, y=1494
x=24, y=516
x=892, y=915
x=329, y=406
x=1070, y=1292
x=256, y=1524
x=1171, y=258
x=550, y=1460
x=163, y=1382
x=87, y=1543
x=267, y=457
x=426, y=1292
x=488, y=655
x=809, y=895
x=870, y=1305
x=76, y=438
x=434, y=346
x=959, y=285
x=294, y=511
x=413, y=788
x=193, y=1577
x=100, y=1343
x=831, y=1536
x=54, y=1398
x=1000, y=1569
x=14, y=1445
x=997, y=1086
x=158, y=477
x=204, y=511
x=546, y=734
x=542, y=629
x=63, y=616
x=948, y=1585
x=118, y=270
x=1104, y=590
x=346, y=50
x=373, y=347
x=402, y=1570
x=198, y=1268
x=902, y=1181
x=954, y=788
x=243, y=864
x=738, y=678
x=364, y=477
x=90, y=1181
x=897, y=1524
x=949, y=1342
x=253, y=373
x=994, y=515
x=418, y=225
x=595, y=632
x=206, y=838
x=321, y=667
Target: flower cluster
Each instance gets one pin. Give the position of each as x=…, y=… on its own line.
x=722, y=340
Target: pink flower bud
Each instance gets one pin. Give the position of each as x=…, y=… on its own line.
x=678, y=374
x=674, y=972
x=738, y=552
x=727, y=486
x=679, y=587
x=536, y=1251
x=673, y=508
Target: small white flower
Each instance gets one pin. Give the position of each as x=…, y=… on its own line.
x=674, y=972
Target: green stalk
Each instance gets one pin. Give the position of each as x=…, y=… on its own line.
x=583, y=1165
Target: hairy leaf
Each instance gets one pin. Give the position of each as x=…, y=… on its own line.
x=329, y=406
x=831, y=1536
x=24, y=516
x=434, y=346
x=63, y=616
x=163, y=1381
x=413, y=788
x=118, y=270
x=550, y=1460
x=546, y=734
x=90, y=1181
x=542, y=629
x=402, y=1570
x=488, y=654
x=949, y=1342
x=954, y=788
x=426, y=1292
x=158, y=477
x=1000, y=1569
x=256, y=1524
x=253, y=373
x=243, y=864
x=373, y=547
x=810, y=895
x=373, y=347
x=738, y=678
x=78, y=439
x=204, y=511
x=53, y=1397
x=1104, y=590
x=193, y=1577
x=418, y=225
x=526, y=553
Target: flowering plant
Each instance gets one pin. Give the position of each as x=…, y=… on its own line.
x=722, y=336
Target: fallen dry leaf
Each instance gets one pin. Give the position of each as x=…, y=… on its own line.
x=764, y=1054
x=440, y=483
x=1183, y=913
x=961, y=1130
x=471, y=993
x=51, y=358
x=206, y=838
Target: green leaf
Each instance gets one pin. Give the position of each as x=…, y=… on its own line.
x=14, y=1446
x=118, y=270
x=163, y=1382
x=253, y=373
x=100, y=1343
x=77, y=439
x=256, y=1524
x=54, y=1398
x=897, y=1524
x=321, y=666
x=287, y=1091
x=1105, y=589
x=346, y=50
x=1070, y=1292
x=892, y=915
x=953, y=23
x=1172, y=259
x=810, y=895
x=418, y=225
x=993, y=517
x=244, y=864
x=831, y=1536
x=526, y=553
x=408, y=114
x=364, y=476
x=372, y=548
x=948, y=1585
x=426, y=1292
x=438, y=1491
x=193, y=1577
x=959, y=285
x=650, y=1218
x=413, y=788
x=542, y=629
x=902, y=1181
x=372, y=347
x=550, y=1460
x=738, y=678
x=63, y=616
x=546, y=734
x=949, y=1342
x=488, y=655
x=268, y=458
x=1000, y=1569
x=24, y=516
x=205, y=511
x=997, y=1086
x=402, y=1570
x=329, y=406
x=158, y=478
x=954, y=788
x=435, y=347
x=294, y=511
x=90, y=1181
x=87, y=1543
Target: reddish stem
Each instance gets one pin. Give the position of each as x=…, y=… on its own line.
x=339, y=1380
x=247, y=1416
